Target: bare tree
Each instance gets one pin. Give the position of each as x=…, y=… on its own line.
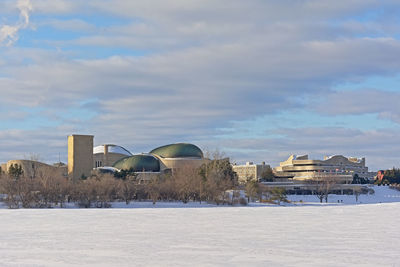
x=27, y=192
x=357, y=190
x=323, y=187
x=187, y=183
x=153, y=190
x=106, y=190
x=252, y=190
x=34, y=157
x=127, y=189
x=8, y=186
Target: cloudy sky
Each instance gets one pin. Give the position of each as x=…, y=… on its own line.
x=256, y=79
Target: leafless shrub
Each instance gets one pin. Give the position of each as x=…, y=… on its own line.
x=127, y=189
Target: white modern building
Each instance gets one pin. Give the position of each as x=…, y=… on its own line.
x=337, y=167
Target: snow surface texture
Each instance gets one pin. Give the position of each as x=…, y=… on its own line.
x=336, y=235
x=383, y=194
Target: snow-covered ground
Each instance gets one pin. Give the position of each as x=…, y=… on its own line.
x=336, y=235
x=177, y=234
x=383, y=194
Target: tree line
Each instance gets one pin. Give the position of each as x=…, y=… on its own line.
x=208, y=183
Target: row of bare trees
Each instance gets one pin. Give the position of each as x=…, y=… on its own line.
x=207, y=183
x=51, y=191
x=263, y=193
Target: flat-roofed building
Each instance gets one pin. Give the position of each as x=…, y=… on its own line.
x=337, y=167
x=250, y=171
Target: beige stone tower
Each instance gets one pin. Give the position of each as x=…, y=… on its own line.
x=80, y=156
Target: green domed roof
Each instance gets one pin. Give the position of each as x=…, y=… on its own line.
x=139, y=163
x=181, y=150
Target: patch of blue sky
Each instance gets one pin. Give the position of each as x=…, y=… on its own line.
x=50, y=38
x=84, y=112
x=363, y=17
x=99, y=52
x=47, y=37
x=370, y=15
x=41, y=36
x=267, y=126
x=103, y=20
x=39, y=117
x=385, y=83
x=29, y=119
x=7, y=19
x=93, y=19
x=78, y=114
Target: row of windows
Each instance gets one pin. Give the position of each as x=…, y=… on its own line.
x=98, y=163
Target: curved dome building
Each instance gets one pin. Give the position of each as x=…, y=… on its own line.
x=108, y=154
x=148, y=165
x=139, y=163
x=179, y=155
x=180, y=150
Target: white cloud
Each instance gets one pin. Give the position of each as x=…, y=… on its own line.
x=9, y=33
x=362, y=101
x=380, y=146
x=206, y=63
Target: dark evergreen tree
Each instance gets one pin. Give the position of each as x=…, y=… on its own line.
x=268, y=175
x=15, y=171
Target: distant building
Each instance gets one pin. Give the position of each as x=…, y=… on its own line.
x=33, y=169
x=338, y=167
x=180, y=155
x=250, y=171
x=108, y=154
x=80, y=156
x=84, y=158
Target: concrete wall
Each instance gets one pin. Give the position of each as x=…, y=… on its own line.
x=101, y=160
x=80, y=156
x=176, y=163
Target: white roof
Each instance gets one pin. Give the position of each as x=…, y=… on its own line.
x=107, y=168
x=111, y=149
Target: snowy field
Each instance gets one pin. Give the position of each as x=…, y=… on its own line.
x=333, y=235
x=383, y=194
